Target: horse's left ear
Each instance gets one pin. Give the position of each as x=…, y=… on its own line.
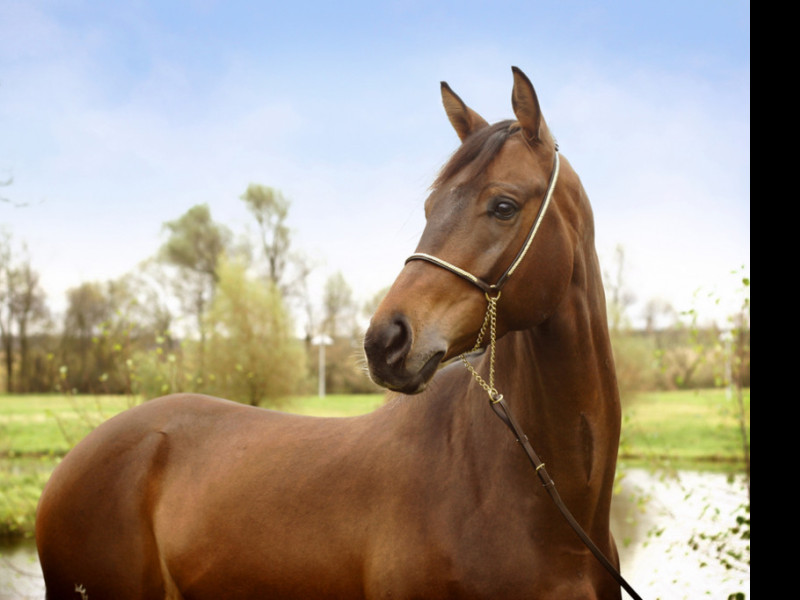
x=463, y=119
x=526, y=106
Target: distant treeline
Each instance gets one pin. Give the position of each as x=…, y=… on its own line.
x=212, y=312
x=135, y=361
x=682, y=358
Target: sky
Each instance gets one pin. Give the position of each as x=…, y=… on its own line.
x=116, y=117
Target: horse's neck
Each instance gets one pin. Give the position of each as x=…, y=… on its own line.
x=563, y=391
x=567, y=381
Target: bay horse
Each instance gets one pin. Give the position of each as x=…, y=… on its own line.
x=193, y=497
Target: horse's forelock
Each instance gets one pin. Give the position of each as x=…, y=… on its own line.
x=477, y=151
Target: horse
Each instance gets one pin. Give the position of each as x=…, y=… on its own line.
x=428, y=496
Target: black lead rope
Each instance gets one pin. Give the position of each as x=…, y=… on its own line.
x=501, y=410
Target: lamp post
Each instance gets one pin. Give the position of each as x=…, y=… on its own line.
x=322, y=341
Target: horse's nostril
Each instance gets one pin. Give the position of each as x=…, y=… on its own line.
x=397, y=340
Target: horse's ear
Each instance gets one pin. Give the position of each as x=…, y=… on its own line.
x=464, y=120
x=526, y=106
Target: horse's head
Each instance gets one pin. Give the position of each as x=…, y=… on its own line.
x=480, y=214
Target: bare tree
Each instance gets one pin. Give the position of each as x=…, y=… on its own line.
x=87, y=311
x=619, y=297
x=339, y=306
x=153, y=285
x=28, y=307
x=288, y=270
x=8, y=285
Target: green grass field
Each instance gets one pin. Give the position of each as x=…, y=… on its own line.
x=694, y=429
x=685, y=427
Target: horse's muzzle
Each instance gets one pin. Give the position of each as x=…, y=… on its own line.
x=397, y=360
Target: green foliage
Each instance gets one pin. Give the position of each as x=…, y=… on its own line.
x=254, y=354
x=161, y=370
x=633, y=359
x=196, y=242
x=103, y=328
x=729, y=547
x=35, y=430
x=22, y=482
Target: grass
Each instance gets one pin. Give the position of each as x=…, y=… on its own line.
x=52, y=424
x=698, y=429
x=337, y=405
x=687, y=426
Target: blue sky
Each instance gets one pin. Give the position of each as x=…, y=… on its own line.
x=116, y=117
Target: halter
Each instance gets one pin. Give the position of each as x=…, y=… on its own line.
x=501, y=409
x=492, y=291
x=477, y=281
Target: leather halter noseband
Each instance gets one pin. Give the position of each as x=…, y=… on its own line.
x=497, y=403
x=495, y=287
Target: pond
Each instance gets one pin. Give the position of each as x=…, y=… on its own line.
x=657, y=520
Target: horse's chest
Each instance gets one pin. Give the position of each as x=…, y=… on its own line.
x=447, y=561
x=491, y=557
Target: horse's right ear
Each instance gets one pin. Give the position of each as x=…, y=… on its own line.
x=526, y=106
x=464, y=120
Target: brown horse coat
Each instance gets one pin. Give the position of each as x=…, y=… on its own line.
x=427, y=497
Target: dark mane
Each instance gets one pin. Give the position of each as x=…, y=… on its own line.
x=477, y=151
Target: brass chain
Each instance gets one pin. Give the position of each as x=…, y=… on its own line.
x=491, y=320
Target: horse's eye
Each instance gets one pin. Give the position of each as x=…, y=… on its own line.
x=503, y=209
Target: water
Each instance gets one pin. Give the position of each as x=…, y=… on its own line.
x=654, y=519
x=662, y=516
x=20, y=575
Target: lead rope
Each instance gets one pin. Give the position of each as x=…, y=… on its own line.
x=502, y=410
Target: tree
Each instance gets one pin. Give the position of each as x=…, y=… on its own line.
x=338, y=306
x=619, y=297
x=22, y=302
x=8, y=284
x=345, y=370
x=196, y=242
x=87, y=311
x=28, y=307
x=153, y=284
x=255, y=356
x=631, y=354
x=195, y=246
x=286, y=269
x=270, y=210
x=371, y=305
